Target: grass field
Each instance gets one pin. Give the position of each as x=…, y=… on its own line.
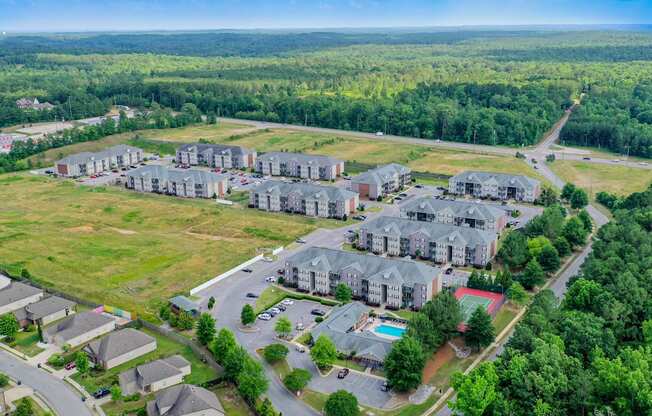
x=128, y=249
x=231, y=401
x=594, y=177
x=26, y=343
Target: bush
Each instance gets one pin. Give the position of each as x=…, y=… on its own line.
x=297, y=380
x=275, y=352
x=319, y=319
x=4, y=380
x=56, y=360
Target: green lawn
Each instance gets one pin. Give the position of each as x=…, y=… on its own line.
x=270, y=297
x=504, y=316
x=129, y=249
x=121, y=407
x=231, y=401
x=166, y=347
x=349, y=364
x=36, y=409
x=594, y=177
x=26, y=343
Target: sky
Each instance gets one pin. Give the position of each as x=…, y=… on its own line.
x=134, y=15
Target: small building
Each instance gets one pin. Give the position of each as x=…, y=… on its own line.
x=154, y=376
x=216, y=155
x=185, y=400
x=16, y=295
x=187, y=183
x=495, y=185
x=7, y=141
x=119, y=347
x=183, y=304
x=33, y=104
x=86, y=163
x=461, y=213
x=381, y=181
x=299, y=165
x=78, y=329
x=45, y=311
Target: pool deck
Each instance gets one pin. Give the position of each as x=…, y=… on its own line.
x=375, y=323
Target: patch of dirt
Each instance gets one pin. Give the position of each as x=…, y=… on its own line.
x=441, y=357
x=81, y=229
x=123, y=232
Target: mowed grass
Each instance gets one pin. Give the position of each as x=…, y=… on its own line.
x=596, y=177
x=129, y=249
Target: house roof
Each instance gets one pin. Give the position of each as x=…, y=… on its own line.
x=17, y=291
x=183, y=400
x=381, y=174
x=48, y=306
x=86, y=157
x=216, y=149
x=146, y=374
x=118, y=343
x=78, y=324
x=499, y=179
x=465, y=209
x=338, y=327
x=437, y=232
x=371, y=267
x=176, y=175
x=317, y=160
x=307, y=190
x=184, y=303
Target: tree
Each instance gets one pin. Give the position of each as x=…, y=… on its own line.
x=247, y=315
x=9, y=326
x=211, y=303
x=275, y=352
x=234, y=363
x=517, y=294
x=574, y=232
x=265, y=408
x=514, y=252
x=567, y=191
x=297, y=380
x=562, y=246
x=323, y=352
x=445, y=314
x=421, y=328
x=185, y=322
x=533, y=275
x=586, y=220
x=251, y=380
x=535, y=245
x=81, y=362
x=549, y=259
x=476, y=392
x=24, y=408
x=283, y=327
x=404, y=364
x=223, y=344
x=4, y=380
x=341, y=403
x=164, y=312
x=343, y=293
x=579, y=199
x=479, y=332
x=548, y=197
x=206, y=329
x=116, y=393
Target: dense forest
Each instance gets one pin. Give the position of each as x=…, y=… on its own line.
x=487, y=87
x=591, y=354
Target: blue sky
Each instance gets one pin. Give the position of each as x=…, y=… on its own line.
x=92, y=15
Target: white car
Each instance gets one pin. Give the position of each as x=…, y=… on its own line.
x=642, y=163
x=287, y=302
x=299, y=327
x=265, y=316
x=379, y=133
x=275, y=310
x=270, y=279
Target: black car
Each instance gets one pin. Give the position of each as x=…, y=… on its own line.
x=402, y=195
x=247, y=270
x=317, y=312
x=384, y=387
x=343, y=373
x=418, y=186
x=449, y=270
x=281, y=307
x=101, y=393
x=252, y=295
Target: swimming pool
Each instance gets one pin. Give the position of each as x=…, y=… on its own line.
x=392, y=331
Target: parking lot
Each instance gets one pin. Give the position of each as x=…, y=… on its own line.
x=366, y=388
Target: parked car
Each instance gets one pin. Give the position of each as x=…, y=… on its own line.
x=280, y=271
x=281, y=307
x=270, y=279
x=252, y=295
x=70, y=365
x=301, y=241
x=402, y=194
x=379, y=133
x=385, y=386
x=418, y=186
x=247, y=270
x=101, y=393
x=300, y=348
x=398, y=198
x=449, y=270
x=275, y=310
x=343, y=373
x=586, y=158
x=318, y=312
x=264, y=317
x=287, y=302
x=299, y=326
x=272, y=313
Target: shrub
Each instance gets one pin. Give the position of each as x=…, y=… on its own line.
x=275, y=352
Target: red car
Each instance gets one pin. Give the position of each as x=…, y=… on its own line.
x=70, y=365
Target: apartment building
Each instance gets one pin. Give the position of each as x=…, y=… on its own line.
x=304, y=198
x=187, y=183
x=86, y=163
x=495, y=185
x=381, y=181
x=381, y=281
x=443, y=243
x=461, y=213
x=216, y=155
x=299, y=165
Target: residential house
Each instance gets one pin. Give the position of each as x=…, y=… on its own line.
x=387, y=282
x=16, y=295
x=216, y=155
x=45, y=311
x=33, y=104
x=381, y=181
x=187, y=183
x=7, y=141
x=181, y=303
x=299, y=165
x=495, y=185
x=304, y=198
x=86, y=163
x=442, y=243
x=119, y=347
x=185, y=400
x=345, y=327
x=78, y=329
x=154, y=376
x=461, y=213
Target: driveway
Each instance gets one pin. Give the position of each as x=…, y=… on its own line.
x=365, y=388
x=63, y=399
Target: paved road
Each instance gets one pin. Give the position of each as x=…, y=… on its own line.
x=56, y=392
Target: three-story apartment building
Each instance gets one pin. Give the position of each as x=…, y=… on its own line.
x=495, y=185
x=299, y=165
x=461, y=213
x=442, y=243
x=216, y=155
x=187, y=183
x=304, y=198
x=381, y=181
x=391, y=283
x=86, y=163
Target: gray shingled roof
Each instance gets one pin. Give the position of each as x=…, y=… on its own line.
x=143, y=375
x=457, y=208
x=317, y=160
x=183, y=400
x=307, y=190
x=337, y=326
x=17, y=291
x=118, y=343
x=381, y=174
x=78, y=324
x=47, y=307
x=437, y=232
x=371, y=267
x=501, y=179
x=86, y=157
x=215, y=148
x=176, y=175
